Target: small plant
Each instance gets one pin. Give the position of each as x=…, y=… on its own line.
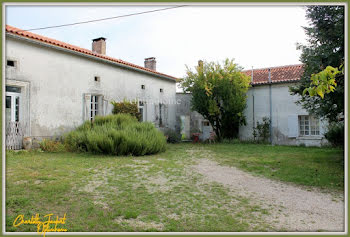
x=172, y=136
x=129, y=214
x=126, y=107
x=261, y=132
x=51, y=146
x=335, y=134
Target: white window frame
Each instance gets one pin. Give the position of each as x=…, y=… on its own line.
x=308, y=126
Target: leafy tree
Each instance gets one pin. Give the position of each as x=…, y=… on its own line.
x=325, y=48
x=219, y=94
x=323, y=82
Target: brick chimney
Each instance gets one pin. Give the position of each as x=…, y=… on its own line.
x=150, y=63
x=99, y=45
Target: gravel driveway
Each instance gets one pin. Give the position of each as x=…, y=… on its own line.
x=292, y=208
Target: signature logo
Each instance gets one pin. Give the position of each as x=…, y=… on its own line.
x=48, y=224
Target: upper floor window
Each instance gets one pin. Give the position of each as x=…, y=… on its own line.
x=11, y=63
x=308, y=126
x=143, y=87
x=97, y=79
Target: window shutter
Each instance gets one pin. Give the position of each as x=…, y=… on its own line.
x=293, y=125
x=165, y=117
x=100, y=110
x=87, y=106
x=323, y=127
x=105, y=107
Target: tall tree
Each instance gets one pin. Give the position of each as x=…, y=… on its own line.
x=325, y=48
x=219, y=94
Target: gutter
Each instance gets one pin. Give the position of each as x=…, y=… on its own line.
x=270, y=98
x=88, y=56
x=253, y=98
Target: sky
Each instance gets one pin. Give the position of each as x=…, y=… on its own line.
x=255, y=36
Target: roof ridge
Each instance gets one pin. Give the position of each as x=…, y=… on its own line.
x=275, y=67
x=28, y=34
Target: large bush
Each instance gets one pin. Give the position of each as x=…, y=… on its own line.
x=335, y=134
x=119, y=134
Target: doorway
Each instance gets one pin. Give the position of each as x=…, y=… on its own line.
x=14, y=130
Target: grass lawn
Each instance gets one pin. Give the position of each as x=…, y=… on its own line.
x=159, y=192
x=310, y=166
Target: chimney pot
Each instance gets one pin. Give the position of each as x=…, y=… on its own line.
x=99, y=45
x=151, y=63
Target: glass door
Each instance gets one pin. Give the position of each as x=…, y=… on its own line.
x=12, y=106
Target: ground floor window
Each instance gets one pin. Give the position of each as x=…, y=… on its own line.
x=308, y=126
x=94, y=107
x=142, y=111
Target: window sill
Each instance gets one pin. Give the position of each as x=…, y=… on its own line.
x=317, y=137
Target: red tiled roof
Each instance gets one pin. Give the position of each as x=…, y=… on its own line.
x=280, y=74
x=30, y=35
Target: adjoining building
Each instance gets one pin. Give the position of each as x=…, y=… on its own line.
x=268, y=97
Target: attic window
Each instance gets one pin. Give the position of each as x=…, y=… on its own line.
x=11, y=63
x=97, y=79
x=161, y=90
x=143, y=87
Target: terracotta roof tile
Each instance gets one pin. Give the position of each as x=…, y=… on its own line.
x=30, y=35
x=280, y=74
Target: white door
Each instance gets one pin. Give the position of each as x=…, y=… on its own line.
x=14, y=131
x=13, y=101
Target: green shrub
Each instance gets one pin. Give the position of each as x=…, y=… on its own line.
x=335, y=134
x=51, y=146
x=261, y=132
x=126, y=107
x=119, y=134
x=172, y=136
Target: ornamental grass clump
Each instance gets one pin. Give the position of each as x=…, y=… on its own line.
x=119, y=134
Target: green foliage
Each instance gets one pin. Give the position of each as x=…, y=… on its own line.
x=323, y=82
x=219, y=95
x=172, y=136
x=51, y=146
x=335, y=133
x=325, y=48
x=126, y=107
x=119, y=134
x=261, y=132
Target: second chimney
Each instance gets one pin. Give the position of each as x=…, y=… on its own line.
x=151, y=63
x=99, y=45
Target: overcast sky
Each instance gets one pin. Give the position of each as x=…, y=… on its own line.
x=260, y=36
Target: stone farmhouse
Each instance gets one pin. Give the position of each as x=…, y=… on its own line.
x=53, y=87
